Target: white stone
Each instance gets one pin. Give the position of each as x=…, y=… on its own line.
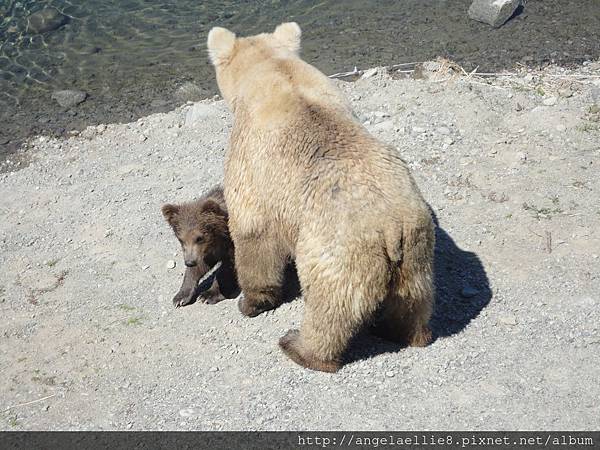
x=197, y=113
x=493, y=12
x=550, y=101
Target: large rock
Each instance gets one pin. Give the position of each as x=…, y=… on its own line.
x=69, y=98
x=493, y=12
x=199, y=112
x=45, y=20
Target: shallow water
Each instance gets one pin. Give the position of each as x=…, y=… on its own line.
x=132, y=55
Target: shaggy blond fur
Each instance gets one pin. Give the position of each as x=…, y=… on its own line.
x=304, y=180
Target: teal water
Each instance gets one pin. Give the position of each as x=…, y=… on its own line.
x=130, y=56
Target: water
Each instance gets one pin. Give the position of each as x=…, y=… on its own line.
x=132, y=55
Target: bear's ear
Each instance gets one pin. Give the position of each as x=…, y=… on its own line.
x=220, y=45
x=213, y=207
x=170, y=212
x=288, y=35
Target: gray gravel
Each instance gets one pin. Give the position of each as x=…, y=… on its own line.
x=90, y=339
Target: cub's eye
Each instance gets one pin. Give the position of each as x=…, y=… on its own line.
x=199, y=239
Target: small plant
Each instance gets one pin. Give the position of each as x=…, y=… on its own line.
x=125, y=307
x=52, y=262
x=12, y=421
x=134, y=321
x=543, y=212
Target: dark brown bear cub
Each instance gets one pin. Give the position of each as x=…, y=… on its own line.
x=201, y=228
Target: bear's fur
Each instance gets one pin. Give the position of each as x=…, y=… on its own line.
x=305, y=180
x=201, y=228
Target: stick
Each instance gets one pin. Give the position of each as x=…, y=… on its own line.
x=30, y=403
x=549, y=241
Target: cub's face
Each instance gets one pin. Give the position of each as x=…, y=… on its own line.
x=196, y=245
x=235, y=58
x=198, y=231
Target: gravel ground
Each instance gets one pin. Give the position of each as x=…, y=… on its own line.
x=90, y=339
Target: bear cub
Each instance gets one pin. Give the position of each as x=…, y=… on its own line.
x=202, y=230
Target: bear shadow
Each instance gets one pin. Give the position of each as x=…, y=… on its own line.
x=462, y=292
x=291, y=289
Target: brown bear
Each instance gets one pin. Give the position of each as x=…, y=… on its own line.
x=305, y=180
x=201, y=228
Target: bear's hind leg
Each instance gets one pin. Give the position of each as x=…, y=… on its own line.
x=406, y=310
x=340, y=297
x=260, y=265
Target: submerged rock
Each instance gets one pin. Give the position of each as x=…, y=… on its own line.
x=69, y=98
x=45, y=20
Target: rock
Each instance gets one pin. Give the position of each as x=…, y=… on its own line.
x=448, y=140
x=493, y=12
x=550, y=101
x=390, y=374
x=69, y=97
x=565, y=93
x=190, y=92
x=508, y=320
x=213, y=369
x=45, y=20
x=370, y=73
x=171, y=264
x=419, y=130
x=561, y=127
x=468, y=292
x=443, y=130
x=198, y=112
x=187, y=412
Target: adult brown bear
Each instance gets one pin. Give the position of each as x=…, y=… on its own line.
x=305, y=180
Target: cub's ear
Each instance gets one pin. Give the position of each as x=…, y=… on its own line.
x=288, y=35
x=213, y=207
x=220, y=45
x=170, y=213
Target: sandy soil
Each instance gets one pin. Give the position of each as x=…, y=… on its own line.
x=90, y=339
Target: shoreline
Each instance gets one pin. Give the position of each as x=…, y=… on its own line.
x=450, y=71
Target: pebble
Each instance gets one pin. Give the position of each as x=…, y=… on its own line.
x=550, y=101
x=171, y=264
x=390, y=374
x=213, y=369
x=419, y=129
x=508, y=320
x=565, y=93
x=443, y=130
x=187, y=412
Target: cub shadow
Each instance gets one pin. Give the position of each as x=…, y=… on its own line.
x=462, y=292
